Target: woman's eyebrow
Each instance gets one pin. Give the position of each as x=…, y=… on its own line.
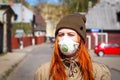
x=72, y=32
x=60, y=33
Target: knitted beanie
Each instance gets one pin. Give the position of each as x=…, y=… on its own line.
x=74, y=21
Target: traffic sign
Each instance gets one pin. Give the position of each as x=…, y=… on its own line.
x=95, y=30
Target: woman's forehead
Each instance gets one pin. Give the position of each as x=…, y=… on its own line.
x=66, y=30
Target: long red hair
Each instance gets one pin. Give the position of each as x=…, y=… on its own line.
x=57, y=71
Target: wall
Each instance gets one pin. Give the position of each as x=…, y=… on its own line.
x=27, y=41
x=112, y=37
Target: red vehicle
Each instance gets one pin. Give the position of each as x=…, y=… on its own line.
x=107, y=48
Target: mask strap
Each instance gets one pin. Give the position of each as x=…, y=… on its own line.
x=71, y=64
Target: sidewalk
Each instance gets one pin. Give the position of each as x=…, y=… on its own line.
x=10, y=60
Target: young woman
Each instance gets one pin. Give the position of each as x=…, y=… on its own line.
x=71, y=60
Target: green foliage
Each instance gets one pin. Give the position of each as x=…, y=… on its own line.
x=78, y=5
x=27, y=28
x=4, y=1
x=94, y=2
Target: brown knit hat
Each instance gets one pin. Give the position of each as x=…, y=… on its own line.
x=74, y=21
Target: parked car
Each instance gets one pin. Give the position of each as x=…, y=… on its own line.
x=107, y=48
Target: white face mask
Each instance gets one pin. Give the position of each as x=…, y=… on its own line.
x=68, y=46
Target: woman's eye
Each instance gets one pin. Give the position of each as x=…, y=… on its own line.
x=60, y=35
x=71, y=35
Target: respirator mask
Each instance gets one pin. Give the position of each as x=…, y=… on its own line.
x=68, y=46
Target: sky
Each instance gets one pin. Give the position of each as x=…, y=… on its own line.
x=35, y=2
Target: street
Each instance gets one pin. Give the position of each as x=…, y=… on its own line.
x=111, y=61
x=42, y=53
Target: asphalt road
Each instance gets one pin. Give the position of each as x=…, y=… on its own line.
x=42, y=53
x=112, y=61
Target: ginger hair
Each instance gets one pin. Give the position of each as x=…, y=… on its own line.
x=57, y=71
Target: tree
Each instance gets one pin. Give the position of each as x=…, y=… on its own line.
x=50, y=11
x=78, y=5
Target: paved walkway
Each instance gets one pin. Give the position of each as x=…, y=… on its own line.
x=10, y=60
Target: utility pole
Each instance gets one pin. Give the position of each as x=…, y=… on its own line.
x=5, y=33
x=20, y=38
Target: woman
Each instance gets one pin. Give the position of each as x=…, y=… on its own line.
x=71, y=60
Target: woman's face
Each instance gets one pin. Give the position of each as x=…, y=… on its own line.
x=71, y=34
